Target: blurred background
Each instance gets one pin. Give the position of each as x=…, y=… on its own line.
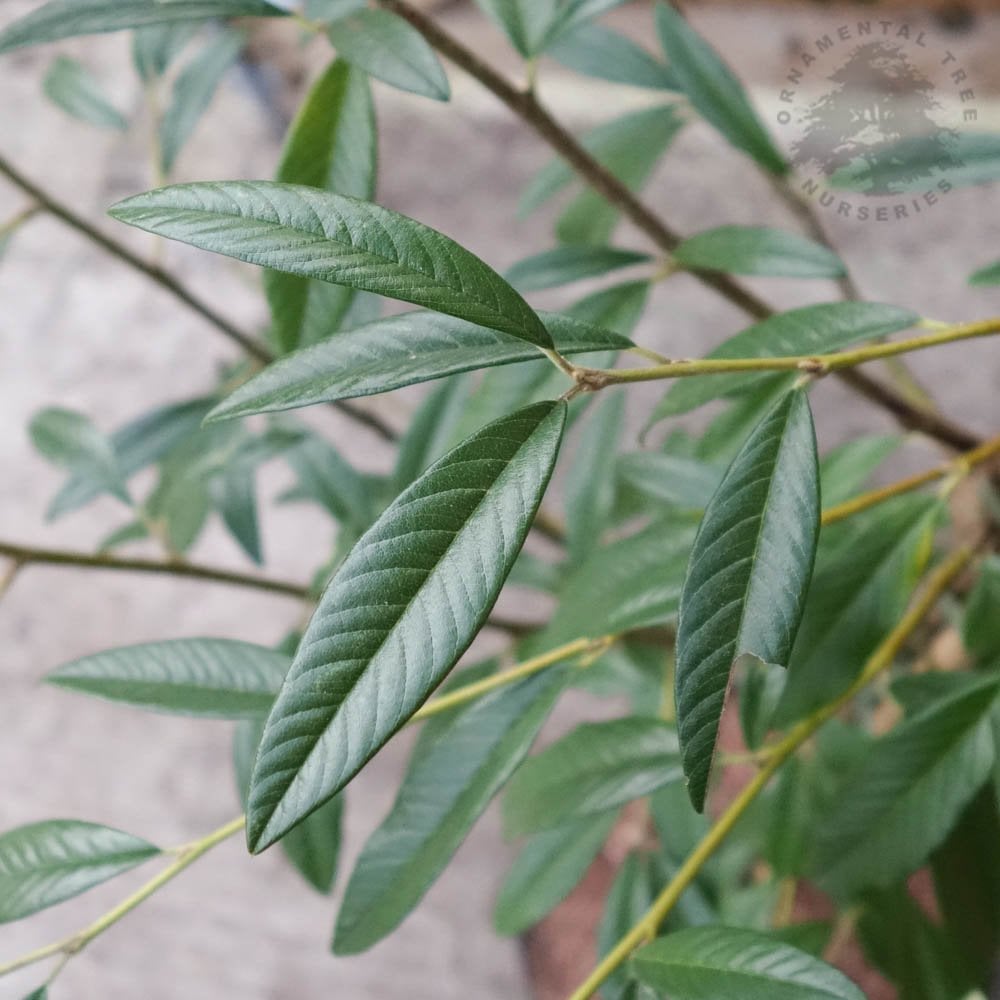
x=80, y=330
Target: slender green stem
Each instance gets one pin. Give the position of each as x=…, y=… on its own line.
x=645, y=929
x=960, y=467
x=14, y=223
x=818, y=364
x=584, y=647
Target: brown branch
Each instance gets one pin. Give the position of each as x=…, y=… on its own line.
x=525, y=105
x=249, y=344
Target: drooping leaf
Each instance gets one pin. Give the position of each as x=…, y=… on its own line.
x=456, y=769
x=747, y=578
x=390, y=49
x=312, y=847
x=332, y=144
x=399, y=613
x=155, y=46
x=398, y=351
x=193, y=92
x=858, y=592
x=818, y=329
x=234, y=494
x=547, y=870
x=68, y=18
x=590, y=484
x=670, y=479
x=136, y=445
x=70, y=440
x=215, y=678
x=595, y=50
x=988, y=275
x=318, y=234
x=42, y=864
x=573, y=13
x=708, y=963
x=712, y=88
x=758, y=250
x=596, y=767
x=567, y=264
x=73, y=88
x=981, y=624
x=907, y=794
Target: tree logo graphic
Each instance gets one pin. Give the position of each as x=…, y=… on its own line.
x=873, y=116
x=880, y=112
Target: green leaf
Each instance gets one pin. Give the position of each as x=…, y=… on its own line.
x=234, y=493
x=214, y=678
x=525, y=22
x=590, y=482
x=546, y=871
x=390, y=49
x=707, y=963
x=818, y=329
x=917, y=955
x=318, y=234
x=596, y=767
x=398, y=351
x=69, y=439
x=312, y=847
x=858, y=592
x=42, y=864
x=618, y=145
x=595, y=50
x=75, y=89
x=68, y=18
x=845, y=470
x=989, y=275
x=400, y=611
x=332, y=144
x=907, y=794
x=758, y=250
x=569, y=263
x=456, y=769
x=40, y=994
x=136, y=445
x=628, y=584
x=981, y=623
x=748, y=575
x=156, y=46
x=714, y=91
x=193, y=91
x=670, y=479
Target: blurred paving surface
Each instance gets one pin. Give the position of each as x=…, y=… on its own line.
x=79, y=329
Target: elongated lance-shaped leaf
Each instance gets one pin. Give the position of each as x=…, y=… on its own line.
x=398, y=351
x=817, y=329
x=400, y=611
x=318, y=234
x=906, y=795
x=713, y=89
x=332, y=144
x=217, y=678
x=68, y=18
x=457, y=768
x=758, y=250
x=569, y=263
x=708, y=963
x=74, y=89
x=748, y=575
x=596, y=767
x=42, y=864
x=389, y=48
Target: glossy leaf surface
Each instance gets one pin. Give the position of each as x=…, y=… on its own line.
x=747, y=578
x=318, y=234
x=398, y=614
